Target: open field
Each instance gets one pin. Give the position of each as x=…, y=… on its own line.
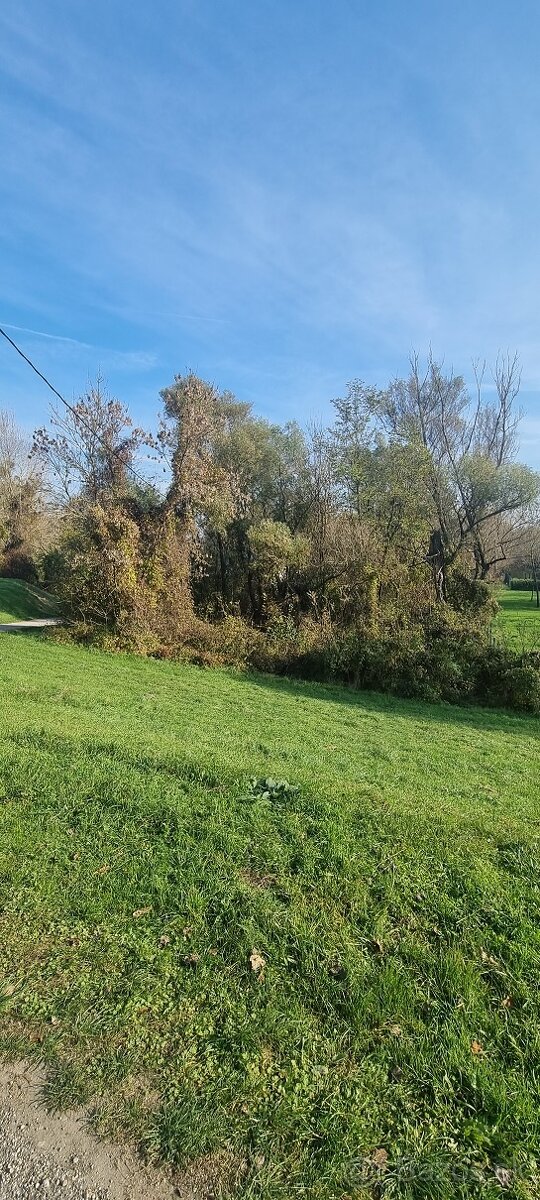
x=327, y=992
x=23, y=602
x=518, y=623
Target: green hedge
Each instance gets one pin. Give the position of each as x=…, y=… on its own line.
x=522, y=585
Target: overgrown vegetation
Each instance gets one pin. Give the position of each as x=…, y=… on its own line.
x=285, y=937
x=360, y=552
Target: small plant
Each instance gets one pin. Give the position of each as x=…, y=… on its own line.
x=270, y=790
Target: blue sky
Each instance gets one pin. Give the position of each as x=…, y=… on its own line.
x=281, y=195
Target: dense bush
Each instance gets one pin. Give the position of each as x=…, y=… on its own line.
x=441, y=661
x=15, y=564
x=472, y=596
x=53, y=568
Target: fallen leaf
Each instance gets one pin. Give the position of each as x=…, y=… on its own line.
x=191, y=960
x=164, y=940
x=257, y=963
x=141, y=912
x=379, y=1159
x=377, y=945
x=395, y=1030
x=103, y=870
x=55, y=1020
x=477, y=1047
x=187, y=931
x=503, y=1176
x=212, y=950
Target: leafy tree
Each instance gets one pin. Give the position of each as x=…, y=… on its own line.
x=469, y=476
x=23, y=515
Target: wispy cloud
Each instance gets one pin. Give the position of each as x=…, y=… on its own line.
x=52, y=337
x=261, y=207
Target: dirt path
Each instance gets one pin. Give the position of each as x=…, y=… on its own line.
x=55, y=1155
x=39, y=623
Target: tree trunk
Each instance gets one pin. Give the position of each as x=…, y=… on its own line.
x=438, y=566
x=223, y=569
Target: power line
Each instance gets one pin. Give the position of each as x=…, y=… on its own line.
x=77, y=415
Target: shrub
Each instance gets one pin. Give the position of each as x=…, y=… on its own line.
x=505, y=678
x=444, y=657
x=451, y=666
x=52, y=569
x=471, y=596
x=15, y=564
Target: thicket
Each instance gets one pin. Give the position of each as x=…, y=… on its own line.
x=359, y=552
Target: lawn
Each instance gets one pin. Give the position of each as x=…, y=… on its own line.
x=518, y=623
x=328, y=990
x=24, y=602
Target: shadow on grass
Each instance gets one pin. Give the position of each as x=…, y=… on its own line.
x=442, y=713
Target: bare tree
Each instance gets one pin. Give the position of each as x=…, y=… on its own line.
x=90, y=447
x=473, y=479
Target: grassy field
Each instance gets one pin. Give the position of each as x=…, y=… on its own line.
x=518, y=623
x=328, y=990
x=23, y=602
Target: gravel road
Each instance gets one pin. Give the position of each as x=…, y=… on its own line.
x=25, y=1172
x=20, y=626
x=54, y=1155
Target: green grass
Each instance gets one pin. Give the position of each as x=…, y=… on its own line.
x=518, y=623
x=394, y=899
x=24, y=602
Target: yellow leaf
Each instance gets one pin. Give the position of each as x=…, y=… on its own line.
x=257, y=963
x=380, y=1158
x=141, y=912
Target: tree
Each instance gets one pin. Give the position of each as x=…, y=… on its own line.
x=268, y=469
x=90, y=448
x=23, y=516
x=203, y=491
x=470, y=477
